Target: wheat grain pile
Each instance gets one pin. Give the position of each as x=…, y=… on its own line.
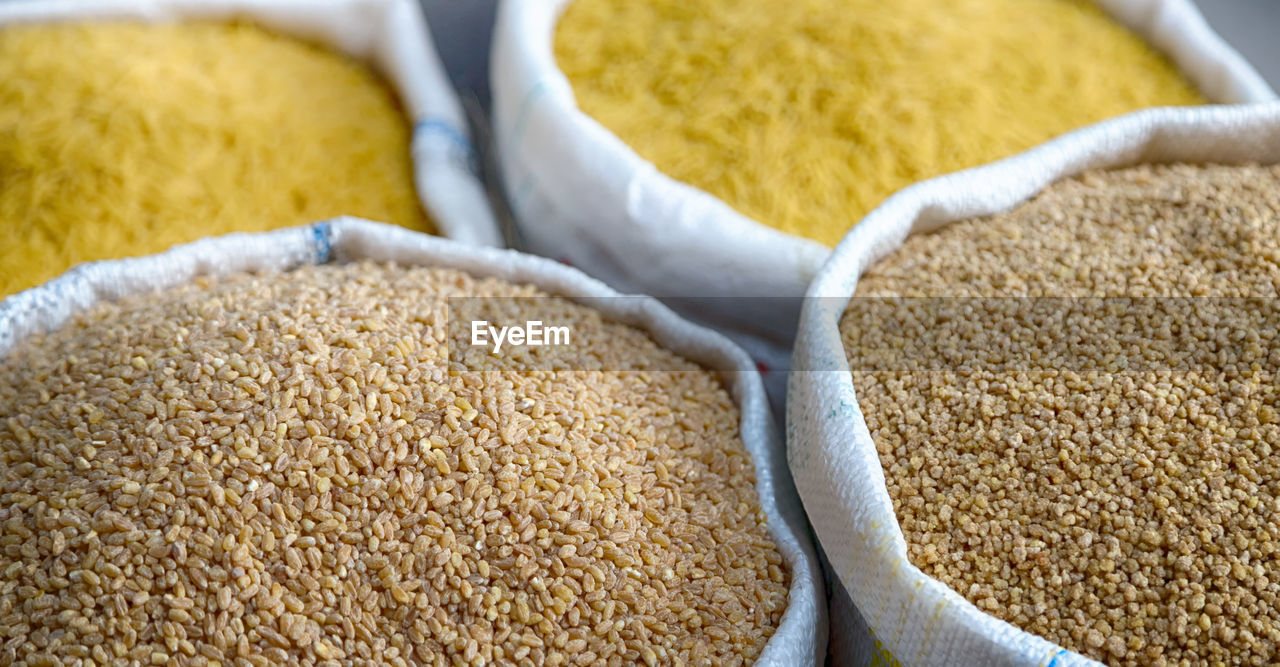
x=1128, y=515
x=282, y=469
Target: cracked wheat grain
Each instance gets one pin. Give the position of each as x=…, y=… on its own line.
x=280, y=468
x=1128, y=516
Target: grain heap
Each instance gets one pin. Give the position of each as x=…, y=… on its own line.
x=808, y=114
x=121, y=139
x=280, y=468
x=1131, y=515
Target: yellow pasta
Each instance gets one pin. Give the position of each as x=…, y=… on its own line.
x=121, y=139
x=805, y=115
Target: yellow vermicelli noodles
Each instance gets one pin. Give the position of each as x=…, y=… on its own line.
x=806, y=115
x=121, y=139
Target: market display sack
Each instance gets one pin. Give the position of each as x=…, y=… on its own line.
x=362, y=249
x=584, y=196
x=884, y=606
x=391, y=36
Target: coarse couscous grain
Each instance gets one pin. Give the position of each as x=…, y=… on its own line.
x=806, y=115
x=1130, y=516
x=121, y=139
x=282, y=469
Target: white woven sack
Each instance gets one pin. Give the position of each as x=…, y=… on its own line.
x=917, y=619
x=390, y=35
x=584, y=196
x=802, y=635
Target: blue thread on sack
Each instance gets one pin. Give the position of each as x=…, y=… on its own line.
x=1059, y=654
x=447, y=129
x=526, y=108
x=460, y=150
x=523, y=190
x=322, y=237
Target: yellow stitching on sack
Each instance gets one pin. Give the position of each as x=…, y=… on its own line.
x=121, y=139
x=805, y=115
x=880, y=656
